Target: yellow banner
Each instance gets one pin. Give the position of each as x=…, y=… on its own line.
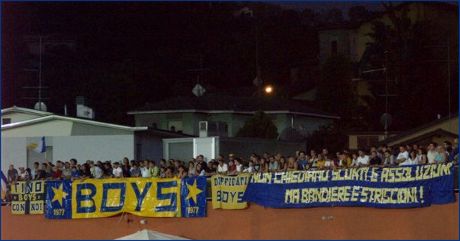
x=150, y=197
x=228, y=191
x=28, y=197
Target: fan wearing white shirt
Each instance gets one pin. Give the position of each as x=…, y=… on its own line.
x=402, y=157
x=222, y=168
x=412, y=160
x=117, y=171
x=362, y=160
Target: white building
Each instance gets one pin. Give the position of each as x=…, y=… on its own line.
x=69, y=137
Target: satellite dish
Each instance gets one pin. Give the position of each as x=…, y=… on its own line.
x=40, y=106
x=386, y=120
x=198, y=90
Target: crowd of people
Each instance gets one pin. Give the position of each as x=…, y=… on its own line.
x=313, y=160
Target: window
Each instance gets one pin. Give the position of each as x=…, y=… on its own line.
x=6, y=121
x=334, y=47
x=217, y=128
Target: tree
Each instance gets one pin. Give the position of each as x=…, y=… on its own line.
x=330, y=136
x=358, y=14
x=334, y=15
x=417, y=72
x=260, y=125
x=335, y=92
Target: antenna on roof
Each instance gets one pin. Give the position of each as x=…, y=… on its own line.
x=199, y=90
x=40, y=106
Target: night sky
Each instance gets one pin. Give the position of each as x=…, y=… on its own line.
x=122, y=55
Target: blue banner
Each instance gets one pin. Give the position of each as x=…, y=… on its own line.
x=397, y=187
x=193, y=197
x=58, y=199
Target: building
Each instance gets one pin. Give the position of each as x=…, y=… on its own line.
x=438, y=131
x=70, y=137
x=226, y=115
x=366, y=139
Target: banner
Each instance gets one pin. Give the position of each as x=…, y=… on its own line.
x=58, y=199
x=397, y=187
x=93, y=198
x=228, y=191
x=193, y=197
x=27, y=197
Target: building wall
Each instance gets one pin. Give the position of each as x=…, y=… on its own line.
x=448, y=125
x=48, y=128
x=234, y=121
x=309, y=124
x=13, y=152
x=17, y=116
x=149, y=119
x=96, y=147
x=353, y=140
x=434, y=222
x=80, y=129
x=148, y=147
x=113, y=147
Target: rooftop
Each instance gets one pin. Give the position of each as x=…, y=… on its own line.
x=211, y=103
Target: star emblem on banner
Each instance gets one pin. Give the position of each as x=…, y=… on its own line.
x=193, y=191
x=59, y=194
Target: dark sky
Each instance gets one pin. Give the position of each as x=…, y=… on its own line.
x=127, y=54
x=344, y=6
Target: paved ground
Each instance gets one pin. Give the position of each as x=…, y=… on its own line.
x=256, y=222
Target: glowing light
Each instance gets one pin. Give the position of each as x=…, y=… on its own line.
x=268, y=89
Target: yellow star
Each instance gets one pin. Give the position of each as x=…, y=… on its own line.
x=59, y=194
x=193, y=191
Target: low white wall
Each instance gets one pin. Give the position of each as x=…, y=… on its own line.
x=106, y=147
x=14, y=151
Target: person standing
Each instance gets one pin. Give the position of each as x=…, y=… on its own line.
x=431, y=153
x=126, y=167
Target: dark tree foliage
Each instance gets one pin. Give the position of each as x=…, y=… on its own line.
x=126, y=55
x=259, y=126
x=358, y=14
x=415, y=54
x=331, y=137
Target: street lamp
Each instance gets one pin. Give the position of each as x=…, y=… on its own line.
x=268, y=89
